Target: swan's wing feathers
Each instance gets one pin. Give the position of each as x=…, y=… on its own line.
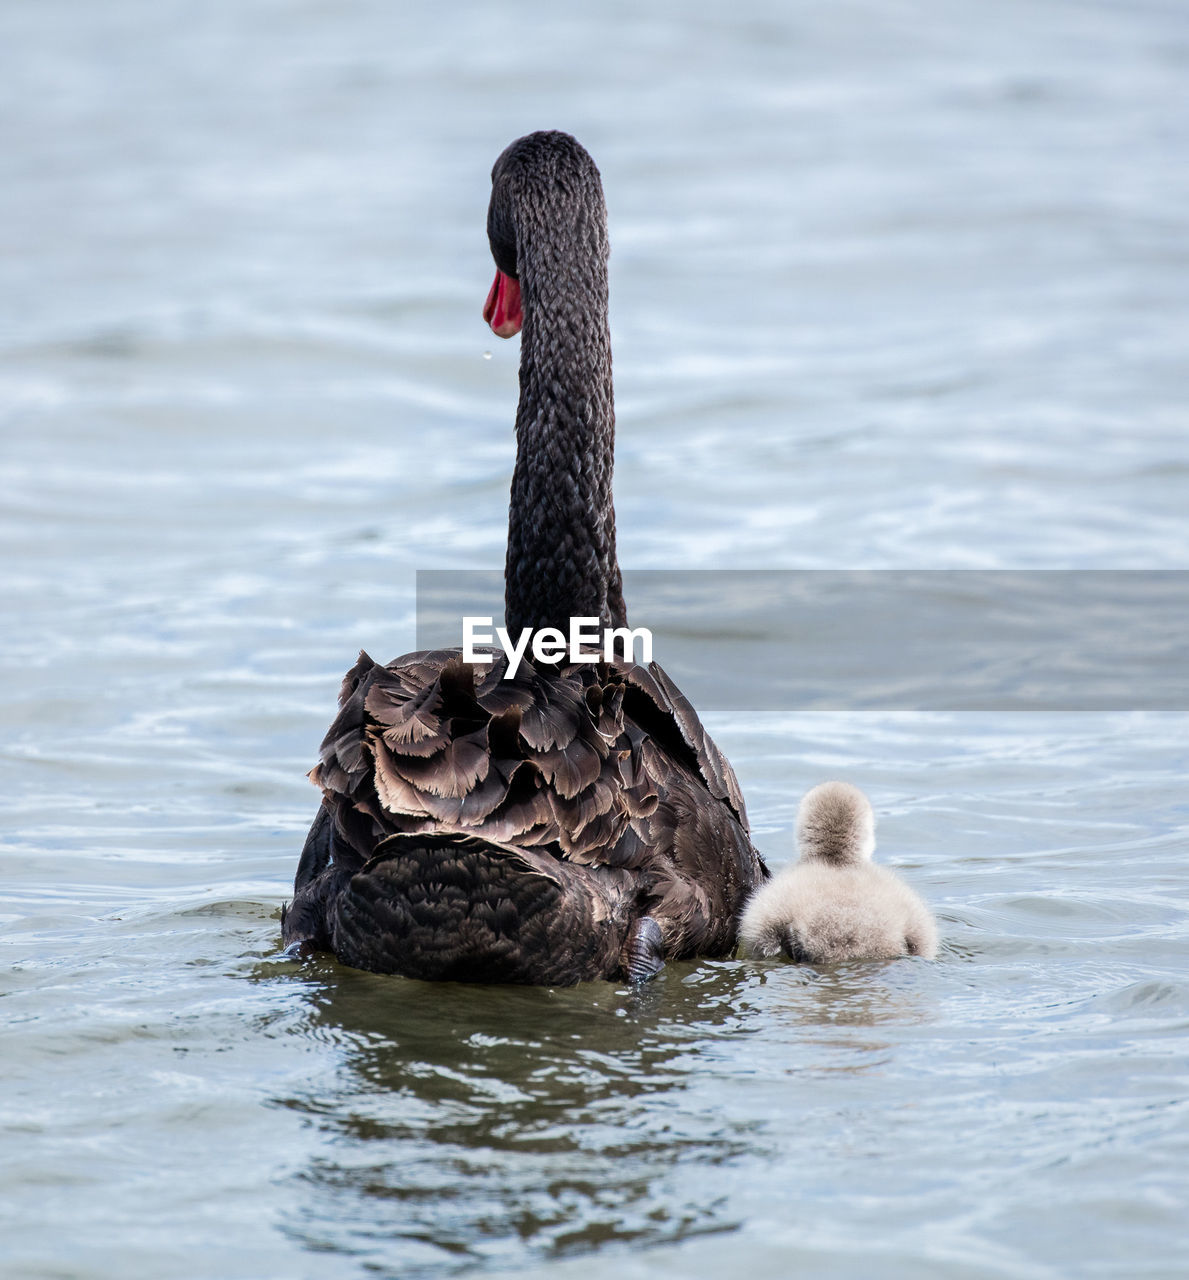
x=396, y=794
x=352, y=680
x=600, y=796
x=456, y=842
x=452, y=771
x=449, y=905
x=570, y=770
x=713, y=766
x=523, y=808
x=538, y=771
x=496, y=695
x=412, y=719
x=466, y=808
x=557, y=711
x=700, y=887
x=610, y=713
x=343, y=764
x=594, y=842
x=575, y=762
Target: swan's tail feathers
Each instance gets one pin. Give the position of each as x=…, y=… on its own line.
x=457, y=907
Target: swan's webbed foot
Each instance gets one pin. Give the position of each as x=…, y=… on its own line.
x=302, y=949
x=644, y=953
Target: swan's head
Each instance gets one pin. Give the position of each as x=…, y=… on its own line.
x=547, y=198
x=835, y=824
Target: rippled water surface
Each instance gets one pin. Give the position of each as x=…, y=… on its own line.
x=893, y=286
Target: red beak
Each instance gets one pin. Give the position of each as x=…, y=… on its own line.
x=502, y=308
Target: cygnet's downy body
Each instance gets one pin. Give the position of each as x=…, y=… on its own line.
x=834, y=903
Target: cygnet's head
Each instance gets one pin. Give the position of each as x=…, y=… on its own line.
x=835, y=824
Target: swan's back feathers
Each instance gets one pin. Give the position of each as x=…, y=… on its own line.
x=713, y=766
x=459, y=907
x=541, y=759
x=601, y=775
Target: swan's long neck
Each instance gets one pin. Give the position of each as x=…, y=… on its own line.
x=561, y=524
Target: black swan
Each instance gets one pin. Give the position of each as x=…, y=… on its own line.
x=835, y=903
x=573, y=822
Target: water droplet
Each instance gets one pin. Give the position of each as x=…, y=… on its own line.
x=487, y=355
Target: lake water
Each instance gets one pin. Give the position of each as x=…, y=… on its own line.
x=894, y=287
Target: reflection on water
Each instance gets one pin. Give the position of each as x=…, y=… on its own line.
x=472, y=1124
x=478, y=1124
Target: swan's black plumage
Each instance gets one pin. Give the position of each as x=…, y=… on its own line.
x=568, y=823
x=547, y=201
